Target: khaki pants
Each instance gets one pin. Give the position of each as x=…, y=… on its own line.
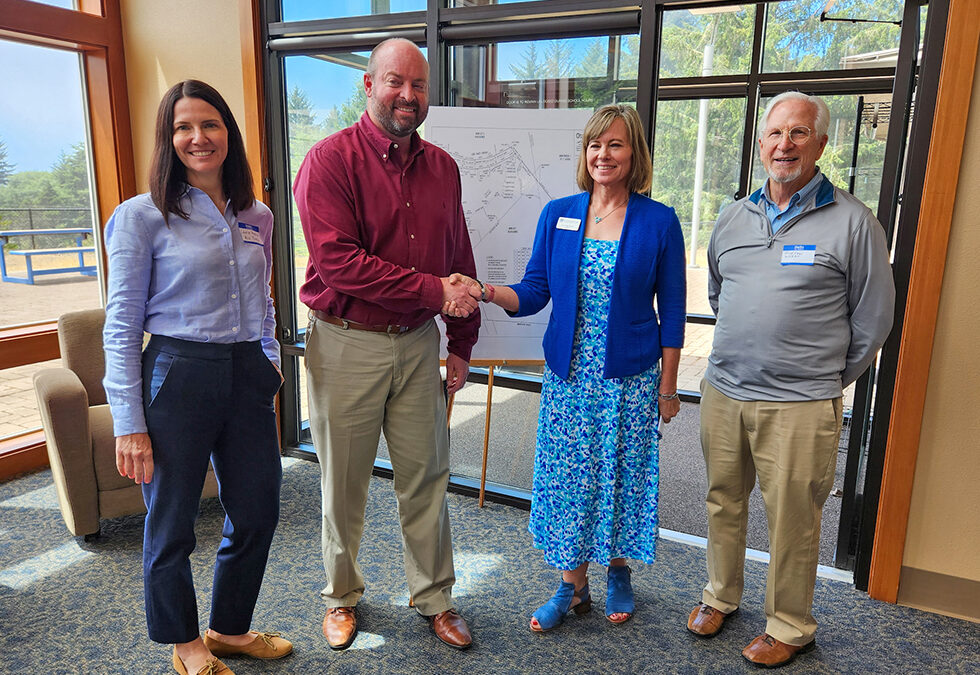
x=792, y=446
x=361, y=383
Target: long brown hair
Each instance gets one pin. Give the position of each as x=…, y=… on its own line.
x=168, y=175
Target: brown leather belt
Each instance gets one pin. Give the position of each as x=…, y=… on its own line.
x=353, y=325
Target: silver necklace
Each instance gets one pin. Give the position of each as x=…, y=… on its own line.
x=599, y=219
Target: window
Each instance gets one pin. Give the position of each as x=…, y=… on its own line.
x=60, y=44
x=797, y=40
x=325, y=93
x=696, y=163
x=544, y=56
x=305, y=10
x=44, y=187
x=562, y=73
x=703, y=42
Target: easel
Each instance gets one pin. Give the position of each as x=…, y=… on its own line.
x=490, y=365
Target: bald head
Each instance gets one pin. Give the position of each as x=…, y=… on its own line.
x=391, y=43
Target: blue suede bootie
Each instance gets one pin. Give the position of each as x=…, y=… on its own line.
x=552, y=613
x=619, y=593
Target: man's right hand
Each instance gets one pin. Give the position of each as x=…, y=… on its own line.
x=134, y=457
x=460, y=295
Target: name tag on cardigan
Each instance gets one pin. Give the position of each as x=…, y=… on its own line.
x=568, y=223
x=798, y=254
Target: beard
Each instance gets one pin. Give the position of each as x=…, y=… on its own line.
x=784, y=177
x=386, y=117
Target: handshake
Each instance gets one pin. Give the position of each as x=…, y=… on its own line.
x=461, y=295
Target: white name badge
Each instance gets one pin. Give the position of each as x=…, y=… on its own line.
x=250, y=233
x=798, y=254
x=568, y=223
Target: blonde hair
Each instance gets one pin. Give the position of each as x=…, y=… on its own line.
x=641, y=168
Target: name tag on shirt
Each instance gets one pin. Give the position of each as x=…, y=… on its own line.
x=568, y=223
x=250, y=233
x=798, y=254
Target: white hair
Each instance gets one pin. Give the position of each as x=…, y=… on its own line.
x=822, y=121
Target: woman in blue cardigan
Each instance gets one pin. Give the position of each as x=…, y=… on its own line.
x=609, y=260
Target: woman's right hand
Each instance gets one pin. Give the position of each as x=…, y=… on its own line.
x=134, y=457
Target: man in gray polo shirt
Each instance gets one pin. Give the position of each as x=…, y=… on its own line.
x=802, y=287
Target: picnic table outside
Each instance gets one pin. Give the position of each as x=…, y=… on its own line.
x=79, y=234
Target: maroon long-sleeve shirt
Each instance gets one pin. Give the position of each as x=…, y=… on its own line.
x=381, y=234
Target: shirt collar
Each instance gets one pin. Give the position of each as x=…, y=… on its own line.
x=801, y=195
x=190, y=192
x=383, y=145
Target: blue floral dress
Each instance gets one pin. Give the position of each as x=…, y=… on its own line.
x=596, y=468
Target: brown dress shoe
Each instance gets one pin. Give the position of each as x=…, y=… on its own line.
x=706, y=621
x=264, y=646
x=212, y=667
x=768, y=652
x=340, y=627
x=451, y=628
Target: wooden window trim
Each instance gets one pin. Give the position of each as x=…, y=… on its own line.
x=95, y=32
x=925, y=291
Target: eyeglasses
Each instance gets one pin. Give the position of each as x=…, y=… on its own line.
x=797, y=135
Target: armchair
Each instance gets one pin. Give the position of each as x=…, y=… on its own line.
x=78, y=430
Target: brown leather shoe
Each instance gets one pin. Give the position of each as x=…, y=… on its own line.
x=767, y=652
x=451, y=628
x=706, y=621
x=265, y=646
x=212, y=667
x=340, y=627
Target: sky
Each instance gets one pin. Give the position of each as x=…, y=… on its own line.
x=41, y=108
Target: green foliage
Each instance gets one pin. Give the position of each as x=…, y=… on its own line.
x=303, y=128
x=594, y=62
x=64, y=185
x=69, y=176
x=797, y=40
x=558, y=59
x=530, y=68
x=6, y=168
x=351, y=110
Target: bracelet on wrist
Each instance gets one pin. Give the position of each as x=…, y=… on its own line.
x=667, y=397
x=491, y=291
x=483, y=290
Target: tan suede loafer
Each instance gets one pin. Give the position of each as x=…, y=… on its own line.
x=213, y=666
x=264, y=646
x=340, y=627
x=706, y=621
x=767, y=652
x=451, y=628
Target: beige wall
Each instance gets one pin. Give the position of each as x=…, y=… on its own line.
x=943, y=535
x=167, y=42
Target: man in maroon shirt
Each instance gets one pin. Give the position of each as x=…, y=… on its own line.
x=384, y=224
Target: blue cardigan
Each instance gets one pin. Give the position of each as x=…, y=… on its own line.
x=650, y=263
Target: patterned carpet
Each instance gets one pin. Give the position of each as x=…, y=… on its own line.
x=67, y=606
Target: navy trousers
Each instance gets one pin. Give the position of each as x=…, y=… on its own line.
x=208, y=401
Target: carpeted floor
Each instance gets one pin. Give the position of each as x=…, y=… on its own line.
x=67, y=606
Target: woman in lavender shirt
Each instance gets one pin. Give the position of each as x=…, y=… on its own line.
x=190, y=264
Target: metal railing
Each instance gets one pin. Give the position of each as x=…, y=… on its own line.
x=44, y=218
